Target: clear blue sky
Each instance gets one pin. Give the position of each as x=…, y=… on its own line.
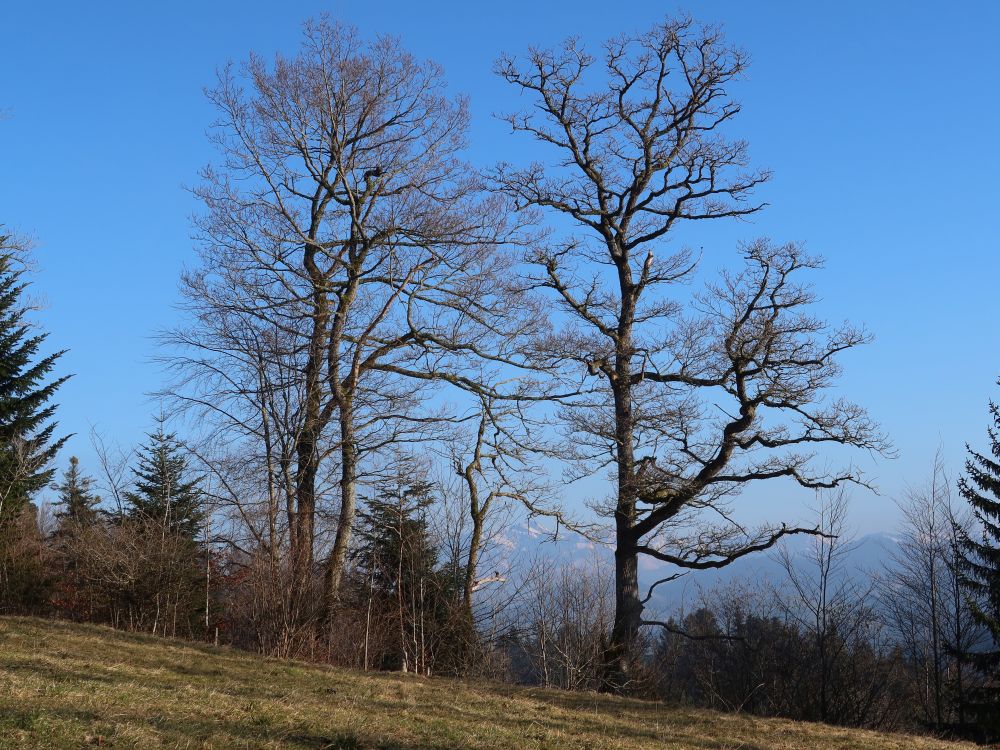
x=878, y=119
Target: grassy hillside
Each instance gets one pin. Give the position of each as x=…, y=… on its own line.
x=69, y=686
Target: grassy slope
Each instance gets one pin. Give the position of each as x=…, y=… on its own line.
x=66, y=686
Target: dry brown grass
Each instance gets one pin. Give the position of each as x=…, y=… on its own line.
x=68, y=686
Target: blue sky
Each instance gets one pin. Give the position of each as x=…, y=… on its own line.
x=878, y=120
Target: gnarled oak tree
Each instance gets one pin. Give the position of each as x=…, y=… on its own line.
x=697, y=397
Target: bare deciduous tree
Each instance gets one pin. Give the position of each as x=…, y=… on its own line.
x=494, y=461
x=925, y=603
x=242, y=376
x=564, y=614
x=343, y=218
x=833, y=605
x=694, y=402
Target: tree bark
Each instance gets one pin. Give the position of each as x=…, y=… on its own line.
x=348, y=509
x=307, y=443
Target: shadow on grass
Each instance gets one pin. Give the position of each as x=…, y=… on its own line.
x=520, y=717
x=571, y=719
x=27, y=719
x=182, y=732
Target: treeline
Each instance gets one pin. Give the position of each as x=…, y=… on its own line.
x=140, y=567
x=391, y=358
x=894, y=647
x=898, y=646
x=830, y=641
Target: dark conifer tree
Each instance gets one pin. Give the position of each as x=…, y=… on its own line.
x=398, y=560
x=164, y=489
x=27, y=445
x=395, y=543
x=980, y=569
x=76, y=495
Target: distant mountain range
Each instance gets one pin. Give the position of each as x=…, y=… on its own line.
x=869, y=553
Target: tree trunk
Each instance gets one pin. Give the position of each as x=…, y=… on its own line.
x=348, y=508
x=475, y=542
x=306, y=447
x=621, y=651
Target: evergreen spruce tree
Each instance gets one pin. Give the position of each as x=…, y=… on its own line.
x=979, y=563
x=397, y=559
x=396, y=548
x=163, y=488
x=27, y=446
x=76, y=495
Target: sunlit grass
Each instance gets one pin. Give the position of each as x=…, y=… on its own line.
x=69, y=686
